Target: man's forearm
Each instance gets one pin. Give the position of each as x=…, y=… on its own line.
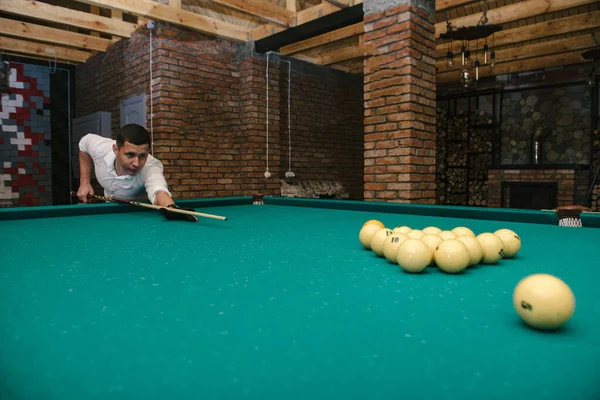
x=85, y=168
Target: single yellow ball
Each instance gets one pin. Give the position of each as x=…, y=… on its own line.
x=475, y=252
x=391, y=244
x=366, y=234
x=432, y=241
x=463, y=231
x=378, y=239
x=452, y=256
x=413, y=255
x=415, y=234
x=376, y=222
x=402, y=229
x=491, y=246
x=544, y=301
x=512, y=242
x=431, y=230
x=447, y=235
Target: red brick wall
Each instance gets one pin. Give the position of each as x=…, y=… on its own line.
x=209, y=113
x=400, y=108
x=326, y=127
x=107, y=79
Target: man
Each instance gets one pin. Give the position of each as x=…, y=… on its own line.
x=125, y=169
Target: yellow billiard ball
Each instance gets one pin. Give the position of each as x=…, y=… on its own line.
x=475, y=252
x=447, y=235
x=431, y=230
x=512, y=242
x=452, y=256
x=432, y=241
x=416, y=234
x=391, y=244
x=376, y=222
x=491, y=246
x=366, y=234
x=402, y=229
x=413, y=255
x=544, y=301
x=463, y=231
x=378, y=239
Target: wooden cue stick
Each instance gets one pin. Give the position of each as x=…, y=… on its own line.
x=152, y=206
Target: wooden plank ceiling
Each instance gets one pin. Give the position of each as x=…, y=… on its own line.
x=536, y=33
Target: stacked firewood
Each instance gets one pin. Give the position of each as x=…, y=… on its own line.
x=464, y=153
x=595, y=201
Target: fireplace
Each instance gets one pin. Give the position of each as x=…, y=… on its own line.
x=529, y=195
x=540, y=186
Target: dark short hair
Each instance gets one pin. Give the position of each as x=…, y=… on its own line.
x=133, y=134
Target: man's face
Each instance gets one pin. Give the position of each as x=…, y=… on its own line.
x=130, y=158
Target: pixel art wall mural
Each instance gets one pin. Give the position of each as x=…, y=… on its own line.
x=25, y=142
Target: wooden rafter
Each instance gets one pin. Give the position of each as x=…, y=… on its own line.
x=444, y=4
x=61, y=15
x=291, y=5
x=349, y=31
x=540, y=30
x=315, y=12
x=265, y=30
x=342, y=54
x=261, y=9
x=513, y=12
x=339, y=3
x=161, y=12
x=24, y=30
x=45, y=50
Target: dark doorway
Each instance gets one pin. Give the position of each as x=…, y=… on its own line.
x=530, y=195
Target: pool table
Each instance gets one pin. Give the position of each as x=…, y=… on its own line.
x=281, y=301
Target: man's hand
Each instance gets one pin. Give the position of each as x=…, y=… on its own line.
x=175, y=216
x=83, y=192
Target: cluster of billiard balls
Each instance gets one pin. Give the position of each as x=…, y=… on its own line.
x=543, y=301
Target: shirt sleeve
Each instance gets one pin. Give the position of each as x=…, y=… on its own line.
x=154, y=180
x=94, y=145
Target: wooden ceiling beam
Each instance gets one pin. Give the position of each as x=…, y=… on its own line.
x=315, y=12
x=339, y=3
x=43, y=50
x=540, y=30
x=161, y=12
x=531, y=50
x=261, y=9
x=444, y=4
x=265, y=30
x=342, y=54
x=343, y=33
x=25, y=30
x=61, y=15
x=513, y=12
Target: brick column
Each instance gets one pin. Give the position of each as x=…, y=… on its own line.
x=253, y=116
x=399, y=98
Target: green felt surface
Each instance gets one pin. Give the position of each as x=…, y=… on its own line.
x=281, y=302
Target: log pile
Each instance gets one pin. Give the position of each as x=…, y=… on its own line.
x=595, y=206
x=464, y=153
x=595, y=201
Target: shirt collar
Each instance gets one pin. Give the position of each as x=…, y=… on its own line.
x=109, y=159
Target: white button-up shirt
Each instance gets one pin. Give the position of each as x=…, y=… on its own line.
x=126, y=187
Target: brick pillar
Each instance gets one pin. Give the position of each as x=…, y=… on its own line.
x=399, y=96
x=253, y=132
